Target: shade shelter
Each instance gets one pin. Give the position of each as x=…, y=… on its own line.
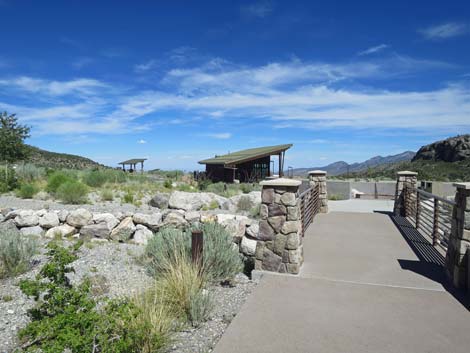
x=132, y=163
x=249, y=165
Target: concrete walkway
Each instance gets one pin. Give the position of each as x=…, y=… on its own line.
x=365, y=287
x=360, y=205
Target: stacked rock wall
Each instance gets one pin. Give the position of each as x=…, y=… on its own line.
x=279, y=242
x=318, y=177
x=404, y=178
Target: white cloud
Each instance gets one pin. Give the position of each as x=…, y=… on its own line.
x=257, y=9
x=142, y=142
x=373, y=50
x=445, y=31
x=219, y=136
x=278, y=95
x=146, y=66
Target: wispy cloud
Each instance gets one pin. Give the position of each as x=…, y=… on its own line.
x=373, y=50
x=219, y=136
x=146, y=66
x=142, y=142
x=445, y=31
x=257, y=9
x=81, y=62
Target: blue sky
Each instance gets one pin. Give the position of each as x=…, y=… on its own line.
x=179, y=81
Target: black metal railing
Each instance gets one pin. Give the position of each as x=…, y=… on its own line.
x=309, y=206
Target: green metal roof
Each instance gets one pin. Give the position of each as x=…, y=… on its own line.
x=133, y=161
x=246, y=155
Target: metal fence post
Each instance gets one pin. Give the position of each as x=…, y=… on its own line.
x=197, y=246
x=435, y=225
x=418, y=209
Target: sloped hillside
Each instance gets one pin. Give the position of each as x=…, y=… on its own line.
x=453, y=149
x=55, y=160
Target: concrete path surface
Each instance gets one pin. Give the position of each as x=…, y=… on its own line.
x=365, y=287
x=360, y=205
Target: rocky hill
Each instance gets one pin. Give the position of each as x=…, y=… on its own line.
x=453, y=149
x=55, y=160
x=342, y=167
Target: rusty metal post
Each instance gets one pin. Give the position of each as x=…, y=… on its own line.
x=435, y=225
x=418, y=209
x=197, y=245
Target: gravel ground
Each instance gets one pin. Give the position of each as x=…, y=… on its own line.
x=228, y=301
x=114, y=272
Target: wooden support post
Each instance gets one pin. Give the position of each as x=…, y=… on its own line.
x=418, y=209
x=197, y=246
x=435, y=225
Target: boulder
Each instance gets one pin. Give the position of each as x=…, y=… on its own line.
x=99, y=230
x=35, y=231
x=208, y=218
x=26, y=218
x=152, y=221
x=248, y=246
x=2, y=217
x=49, y=220
x=192, y=216
x=253, y=230
x=160, y=200
x=223, y=217
x=174, y=219
x=41, y=212
x=124, y=230
x=235, y=226
x=142, y=235
x=79, y=217
x=189, y=201
x=109, y=219
x=10, y=214
x=62, y=231
x=62, y=214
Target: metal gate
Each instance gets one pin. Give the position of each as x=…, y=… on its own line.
x=309, y=206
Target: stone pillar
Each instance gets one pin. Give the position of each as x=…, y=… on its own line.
x=279, y=247
x=403, y=178
x=318, y=177
x=459, y=242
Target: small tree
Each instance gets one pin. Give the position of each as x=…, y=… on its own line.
x=12, y=136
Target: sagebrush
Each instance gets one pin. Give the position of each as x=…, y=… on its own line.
x=16, y=252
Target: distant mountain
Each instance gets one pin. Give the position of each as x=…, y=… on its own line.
x=55, y=160
x=453, y=149
x=341, y=167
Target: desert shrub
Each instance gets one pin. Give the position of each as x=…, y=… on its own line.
x=335, y=197
x=128, y=197
x=66, y=317
x=16, y=252
x=27, y=191
x=246, y=188
x=185, y=187
x=56, y=179
x=107, y=195
x=95, y=178
x=203, y=184
x=220, y=262
x=201, y=305
x=216, y=188
x=28, y=172
x=8, y=179
x=72, y=192
x=254, y=211
x=244, y=203
x=167, y=184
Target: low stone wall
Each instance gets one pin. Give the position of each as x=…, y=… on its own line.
x=124, y=227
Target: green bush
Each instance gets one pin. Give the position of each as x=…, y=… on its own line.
x=221, y=261
x=16, y=252
x=244, y=203
x=200, y=307
x=95, y=178
x=66, y=317
x=247, y=188
x=167, y=184
x=8, y=179
x=56, y=179
x=28, y=172
x=27, y=191
x=72, y=192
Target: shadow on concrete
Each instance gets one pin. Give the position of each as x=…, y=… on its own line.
x=431, y=262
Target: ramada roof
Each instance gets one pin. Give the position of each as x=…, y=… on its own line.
x=133, y=161
x=246, y=155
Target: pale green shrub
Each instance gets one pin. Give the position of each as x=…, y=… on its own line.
x=244, y=203
x=27, y=191
x=107, y=195
x=72, y=192
x=29, y=172
x=16, y=252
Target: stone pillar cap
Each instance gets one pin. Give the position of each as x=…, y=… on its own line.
x=465, y=186
x=407, y=172
x=281, y=182
x=317, y=172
